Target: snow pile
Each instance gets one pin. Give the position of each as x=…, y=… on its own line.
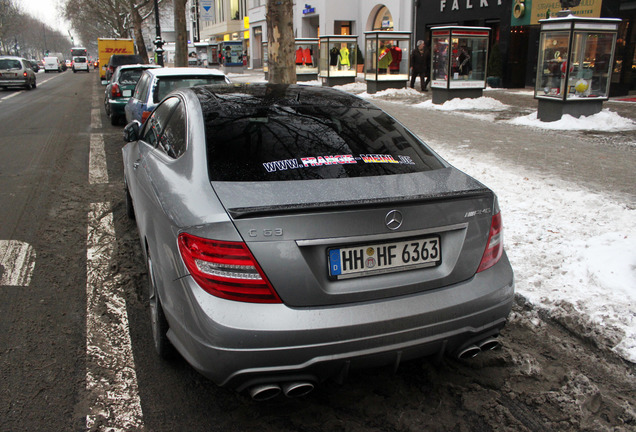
x=565, y=244
x=605, y=121
x=392, y=93
x=479, y=104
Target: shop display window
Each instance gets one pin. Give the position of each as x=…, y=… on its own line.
x=459, y=57
x=338, y=56
x=232, y=53
x=306, y=56
x=575, y=60
x=387, y=56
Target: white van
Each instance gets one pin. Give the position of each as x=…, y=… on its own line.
x=80, y=63
x=52, y=64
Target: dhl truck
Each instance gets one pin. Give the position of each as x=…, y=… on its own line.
x=107, y=47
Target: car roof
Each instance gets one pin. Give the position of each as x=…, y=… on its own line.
x=138, y=66
x=12, y=57
x=182, y=71
x=230, y=99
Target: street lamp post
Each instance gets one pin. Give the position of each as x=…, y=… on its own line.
x=158, y=41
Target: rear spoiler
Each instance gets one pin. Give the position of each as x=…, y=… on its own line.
x=246, y=212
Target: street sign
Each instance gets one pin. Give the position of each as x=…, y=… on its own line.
x=206, y=13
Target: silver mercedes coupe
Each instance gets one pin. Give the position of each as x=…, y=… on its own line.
x=293, y=233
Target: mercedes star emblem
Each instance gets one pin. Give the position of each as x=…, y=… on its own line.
x=393, y=219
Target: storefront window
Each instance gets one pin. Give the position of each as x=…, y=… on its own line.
x=459, y=57
x=591, y=63
x=387, y=56
x=440, y=58
x=338, y=56
x=553, y=54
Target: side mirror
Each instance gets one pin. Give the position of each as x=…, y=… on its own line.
x=131, y=131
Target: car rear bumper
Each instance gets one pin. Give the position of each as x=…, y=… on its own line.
x=239, y=345
x=117, y=106
x=13, y=82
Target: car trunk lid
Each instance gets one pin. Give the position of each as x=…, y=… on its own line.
x=295, y=230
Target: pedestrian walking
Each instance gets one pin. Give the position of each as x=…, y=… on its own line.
x=420, y=65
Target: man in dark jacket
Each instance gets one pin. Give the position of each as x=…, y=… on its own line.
x=420, y=65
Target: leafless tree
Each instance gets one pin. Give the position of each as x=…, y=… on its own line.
x=280, y=34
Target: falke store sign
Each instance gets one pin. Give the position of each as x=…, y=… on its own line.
x=457, y=5
x=444, y=11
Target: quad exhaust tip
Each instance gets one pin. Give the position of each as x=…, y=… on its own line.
x=263, y=392
x=472, y=351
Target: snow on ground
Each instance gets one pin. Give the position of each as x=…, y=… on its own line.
x=605, y=121
x=567, y=245
x=564, y=243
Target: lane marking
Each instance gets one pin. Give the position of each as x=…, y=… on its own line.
x=12, y=95
x=18, y=260
x=96, y=118
x=111, y=380
x=97, y=170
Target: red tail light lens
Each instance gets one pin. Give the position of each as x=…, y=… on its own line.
x=494, y=248
x=226, y=269
x=114, y=90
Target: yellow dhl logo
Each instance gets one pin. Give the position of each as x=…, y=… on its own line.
x=116, y=50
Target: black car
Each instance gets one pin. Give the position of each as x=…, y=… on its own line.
x=119, y=60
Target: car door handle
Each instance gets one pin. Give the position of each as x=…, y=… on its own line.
x=136, y=164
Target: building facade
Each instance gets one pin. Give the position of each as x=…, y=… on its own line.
x=313, y=19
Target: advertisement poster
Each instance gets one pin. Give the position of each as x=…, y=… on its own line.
x=529, y=12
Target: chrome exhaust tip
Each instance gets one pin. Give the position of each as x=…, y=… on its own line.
x=297, y=389
x=469, y=352
x=264, y=392
x=489, y=344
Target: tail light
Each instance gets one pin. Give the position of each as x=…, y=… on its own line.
x=226, y=269
x=114, y=90
x=494, y=247
x=24, y=74
x=145, y=115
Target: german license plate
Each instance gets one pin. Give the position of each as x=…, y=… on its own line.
x=127, y=93
x=365, y=260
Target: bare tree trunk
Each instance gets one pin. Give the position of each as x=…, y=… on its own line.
x=139, y=37
x=280, y=40
x=181, y=43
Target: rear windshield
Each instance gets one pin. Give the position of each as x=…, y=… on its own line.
x=10, y=64
x=80, y=60
x=311, y=142
x=166, y=84
x=130, y=76
x=118, y=60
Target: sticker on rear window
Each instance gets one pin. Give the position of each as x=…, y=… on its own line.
x=319, y=161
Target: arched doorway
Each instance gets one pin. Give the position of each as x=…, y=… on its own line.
x=383, y=20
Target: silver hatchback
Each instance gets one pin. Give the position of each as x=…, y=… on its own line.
x=292, y=233
x=16, y=72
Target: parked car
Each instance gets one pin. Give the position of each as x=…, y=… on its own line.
x=120, y=60
x=155, y=84
x=34, y=65
x=16, y=72
x=294, y=232
x=52, y=64
x=80, y=63
x=120, y=88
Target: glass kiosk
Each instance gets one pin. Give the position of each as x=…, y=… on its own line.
x=338, y=60
x=459, y=58
x=574, y=65
x=306, y=58
x=386, y=60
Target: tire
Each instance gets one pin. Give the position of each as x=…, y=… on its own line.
x=35, y=84
x=158, y=321
x=114, y=120
x=28, y=86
